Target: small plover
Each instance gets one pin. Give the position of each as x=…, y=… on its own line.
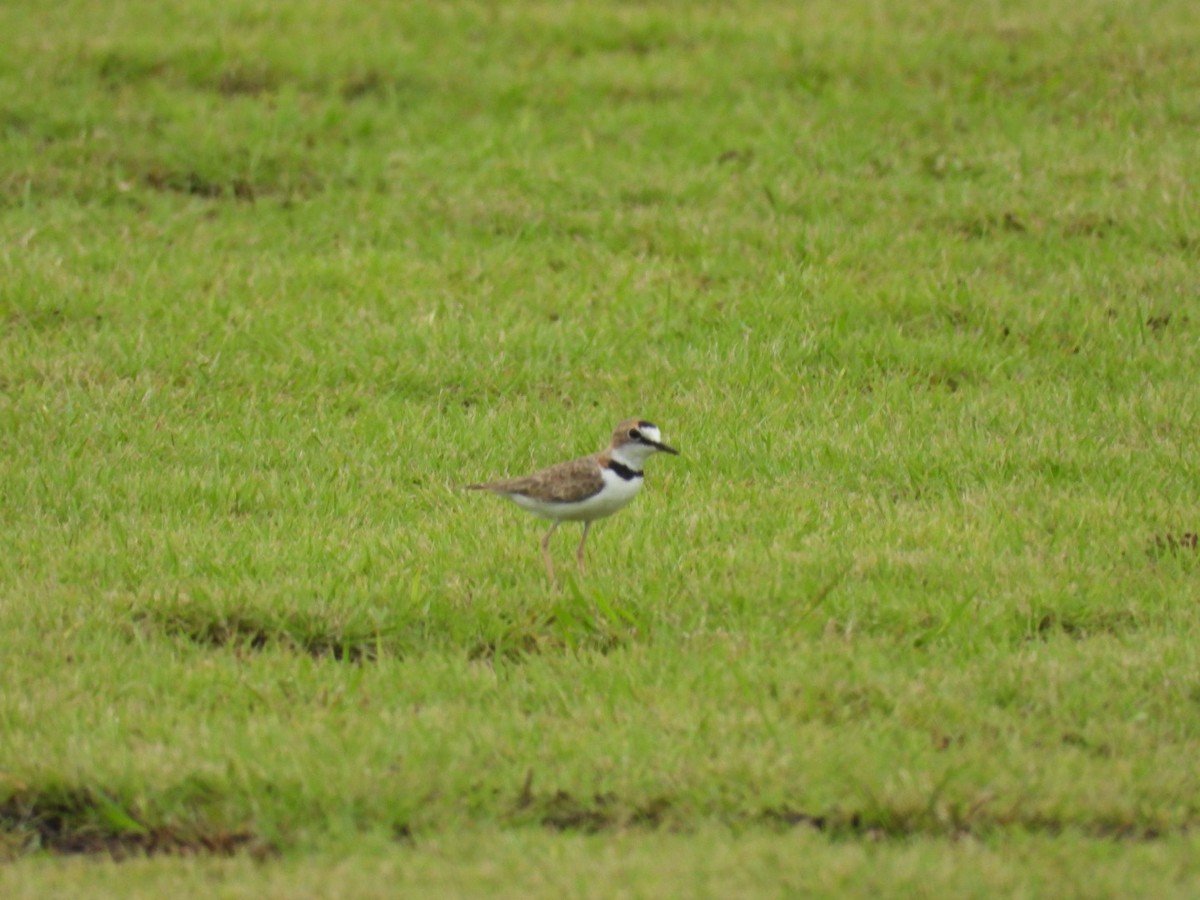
x=585, y=489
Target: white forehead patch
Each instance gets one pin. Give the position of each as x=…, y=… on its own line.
x=651, y=433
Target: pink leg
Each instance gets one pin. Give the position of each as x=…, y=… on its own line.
x=582, y=541
x=546, y=554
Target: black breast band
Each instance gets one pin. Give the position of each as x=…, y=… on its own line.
x=623, y=470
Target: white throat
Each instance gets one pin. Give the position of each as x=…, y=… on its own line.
x=632, y=456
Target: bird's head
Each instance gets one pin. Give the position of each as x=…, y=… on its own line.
x=636, y=439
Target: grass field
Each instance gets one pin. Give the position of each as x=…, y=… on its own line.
x=914, y=287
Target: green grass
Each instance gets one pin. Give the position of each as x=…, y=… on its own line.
x=912, y=286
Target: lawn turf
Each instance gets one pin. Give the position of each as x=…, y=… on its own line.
x=914, y=289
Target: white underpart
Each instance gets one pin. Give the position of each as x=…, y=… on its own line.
x=617, y=492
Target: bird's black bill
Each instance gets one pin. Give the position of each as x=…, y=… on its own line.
x=641, y=438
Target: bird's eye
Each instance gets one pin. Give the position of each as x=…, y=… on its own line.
x=635, y=434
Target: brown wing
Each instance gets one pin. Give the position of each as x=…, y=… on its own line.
x=573, y=480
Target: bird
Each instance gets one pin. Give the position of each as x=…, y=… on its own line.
x=588, y=488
